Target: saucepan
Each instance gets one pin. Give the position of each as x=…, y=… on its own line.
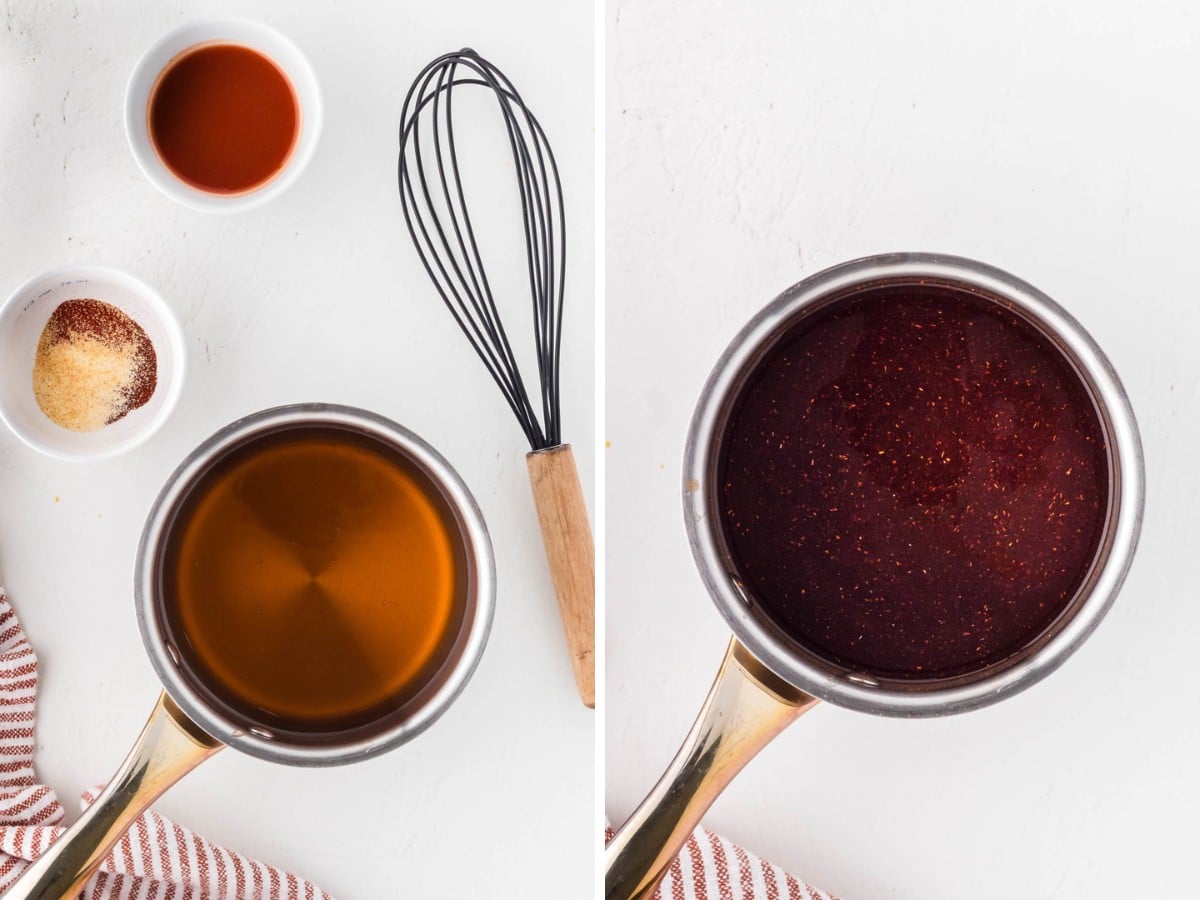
x=767, y=679
x=190, y=722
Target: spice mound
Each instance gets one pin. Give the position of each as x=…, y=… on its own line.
x=94, y=365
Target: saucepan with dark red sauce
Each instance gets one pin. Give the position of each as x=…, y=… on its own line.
x=913, y=486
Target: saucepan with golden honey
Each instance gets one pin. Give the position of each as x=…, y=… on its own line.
x=913, y=486
x=314, y=586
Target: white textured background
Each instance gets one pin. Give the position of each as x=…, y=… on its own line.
x=317, y=296
x=754, y=143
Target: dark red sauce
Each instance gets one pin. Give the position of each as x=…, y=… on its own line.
x=914, y=481
x=223, y=118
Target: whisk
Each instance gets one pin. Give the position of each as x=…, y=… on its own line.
x=439, y=221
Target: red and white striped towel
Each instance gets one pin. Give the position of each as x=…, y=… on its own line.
x=712, y=868
x=156, y=860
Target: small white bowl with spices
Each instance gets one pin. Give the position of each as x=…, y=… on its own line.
x=91, y=362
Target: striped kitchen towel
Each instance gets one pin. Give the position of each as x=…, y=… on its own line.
x=156, y=860
x=712, y=868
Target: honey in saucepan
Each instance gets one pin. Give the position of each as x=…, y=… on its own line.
x=914, y=481
x=313, y=580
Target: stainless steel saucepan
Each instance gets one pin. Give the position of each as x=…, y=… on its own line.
x=768, y=680
x=188, y=725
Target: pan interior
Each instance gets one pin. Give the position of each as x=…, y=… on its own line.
x=313, y=585
x=920, y=529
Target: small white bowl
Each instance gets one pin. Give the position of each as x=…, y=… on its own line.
x=22, y=319
x=286, y=55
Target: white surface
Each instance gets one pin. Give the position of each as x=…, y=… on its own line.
x=316, y=296
x=24, y=318
x=753, y=144
x=279, y=49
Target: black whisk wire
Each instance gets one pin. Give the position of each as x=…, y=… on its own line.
x=439, y=222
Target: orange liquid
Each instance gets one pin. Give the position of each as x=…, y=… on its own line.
x=223, y=118
x=312, y=580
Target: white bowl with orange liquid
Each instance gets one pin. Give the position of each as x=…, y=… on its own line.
x=208, y=144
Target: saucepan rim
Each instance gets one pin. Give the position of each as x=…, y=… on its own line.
x=926, y=697
x=481, y=571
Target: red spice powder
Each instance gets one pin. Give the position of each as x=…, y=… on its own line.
x=914, y=481
x=94, y=365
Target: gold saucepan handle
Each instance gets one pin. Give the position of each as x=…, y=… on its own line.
x=747, y=706
x=170, y=746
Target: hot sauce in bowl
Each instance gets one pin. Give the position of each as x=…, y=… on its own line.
x=223, y=118
x=223, y=115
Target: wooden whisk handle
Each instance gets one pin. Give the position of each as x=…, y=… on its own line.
x=567, y=537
